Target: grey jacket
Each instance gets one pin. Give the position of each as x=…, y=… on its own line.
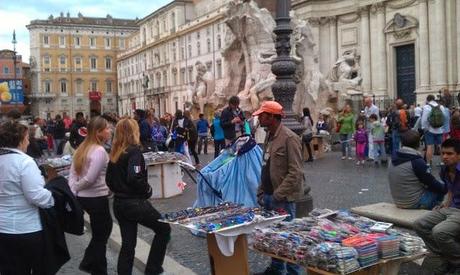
x=410, y=177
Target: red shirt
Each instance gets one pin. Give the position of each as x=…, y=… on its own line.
x=67, y=122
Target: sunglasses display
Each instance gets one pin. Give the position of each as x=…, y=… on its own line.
x=222, y=216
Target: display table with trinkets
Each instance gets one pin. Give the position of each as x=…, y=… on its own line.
x=225, y=226
x=53, y=167
x=338, y=242
x=164, y=173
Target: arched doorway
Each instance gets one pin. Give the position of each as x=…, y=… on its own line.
x=95, y=108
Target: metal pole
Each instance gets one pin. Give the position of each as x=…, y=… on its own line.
x=284, y=67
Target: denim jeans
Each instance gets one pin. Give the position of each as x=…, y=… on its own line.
x=379, y=151
x=429, y=200
x=130, y=213
x=203, y=143
x=396, y=140
x=345, y=141
x=101, y=227
x=278, y=265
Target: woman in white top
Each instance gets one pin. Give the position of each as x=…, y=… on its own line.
x=22, y=192
x=87, y=181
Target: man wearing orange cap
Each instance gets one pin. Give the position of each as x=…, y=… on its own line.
x=282, y=175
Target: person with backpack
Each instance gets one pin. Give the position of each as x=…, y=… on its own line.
x=398, y=122
x=432, y=125
x=159, y=134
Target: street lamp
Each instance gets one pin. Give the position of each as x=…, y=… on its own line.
x=284, y=66
x=284, y=87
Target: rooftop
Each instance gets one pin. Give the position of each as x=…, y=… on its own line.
x=83, y=20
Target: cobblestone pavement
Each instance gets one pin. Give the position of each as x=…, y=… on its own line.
x=77, y=246
x=335, y=184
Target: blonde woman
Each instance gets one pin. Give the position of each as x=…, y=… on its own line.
x=87, y=181
x=127, y=178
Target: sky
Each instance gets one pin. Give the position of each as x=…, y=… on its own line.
x=16, y=14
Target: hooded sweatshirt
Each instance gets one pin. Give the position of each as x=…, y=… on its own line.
x=410, y=177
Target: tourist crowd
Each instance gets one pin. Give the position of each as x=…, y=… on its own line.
x=108, y=160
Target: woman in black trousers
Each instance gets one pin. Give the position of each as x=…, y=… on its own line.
x=127, y=178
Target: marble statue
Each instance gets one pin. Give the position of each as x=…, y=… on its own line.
x=204, y=86
x=249, y=50
x=249, y=41
x=345, y=77
x=312, y=89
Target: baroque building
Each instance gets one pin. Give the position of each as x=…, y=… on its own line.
x=159, y=65
x=407, y=48
x=73, y=63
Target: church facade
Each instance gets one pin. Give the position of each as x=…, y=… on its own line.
x=408, y=48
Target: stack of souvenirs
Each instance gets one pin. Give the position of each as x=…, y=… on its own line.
x=158, y=157
x=222, y=216
x=335, y=241
x=61, y=165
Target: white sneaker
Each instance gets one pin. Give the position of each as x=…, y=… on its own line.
x=358, y=162
x=343, y=158
x=350, y=158
x=362, y=162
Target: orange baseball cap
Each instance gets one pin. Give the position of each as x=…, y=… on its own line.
x=271, y=107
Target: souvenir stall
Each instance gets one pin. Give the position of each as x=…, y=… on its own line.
x=338, y=242
x=164, y=173
x=235, y=174
x=225, y=226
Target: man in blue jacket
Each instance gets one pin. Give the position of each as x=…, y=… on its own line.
x=412, y=185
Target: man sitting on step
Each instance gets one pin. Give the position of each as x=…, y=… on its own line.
x=440, y=229
x=412, y=185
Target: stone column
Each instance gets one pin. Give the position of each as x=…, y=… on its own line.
x=451, y=42
x=365, y=49
x=439, y=51
x=333, y=38
x=315, y=25
x=423, y=45
x=381, y=85
x=458, y=42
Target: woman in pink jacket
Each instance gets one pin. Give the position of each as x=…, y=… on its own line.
x=87, y=181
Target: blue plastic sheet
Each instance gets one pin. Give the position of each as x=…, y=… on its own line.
x=236, y=177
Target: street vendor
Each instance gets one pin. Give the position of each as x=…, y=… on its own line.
x=282, y=174
x=440, y=228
